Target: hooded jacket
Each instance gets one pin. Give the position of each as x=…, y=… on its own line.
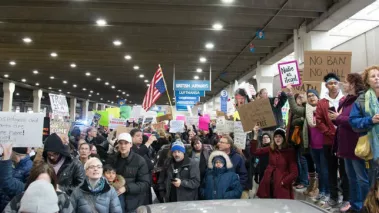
x=239, y=167
x=220, y=183
x=71, y=174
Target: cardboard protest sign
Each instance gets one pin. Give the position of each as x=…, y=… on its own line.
x=289, y=73
x=306, y=85
x=256, y=112
x=115, y=122
x=21, y=129
x=122, y=129
x=164, y=118
x=176, y=126
x=160, y=125
x=239, y=135
x=319, y=63
x=220, y=114
x=59, y=105
x=59, y=127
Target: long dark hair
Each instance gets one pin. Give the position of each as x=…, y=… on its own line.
x=40, y=168
x=357, y=80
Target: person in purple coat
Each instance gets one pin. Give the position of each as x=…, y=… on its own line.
x=346, y=140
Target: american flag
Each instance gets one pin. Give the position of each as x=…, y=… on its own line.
x=156, y=89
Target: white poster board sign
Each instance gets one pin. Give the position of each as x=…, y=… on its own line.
x=137, y=112
x=193, y=120
x=289, y=73
x=115, y=122
x=21, y=129
x=59, y=127
x=220, y=125
x=59, y=105
x=176, y=126
x=239, y=135
x=229, y=126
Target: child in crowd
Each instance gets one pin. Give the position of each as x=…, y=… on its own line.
x=117, y=181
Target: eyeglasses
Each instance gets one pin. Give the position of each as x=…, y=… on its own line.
x=93, y=167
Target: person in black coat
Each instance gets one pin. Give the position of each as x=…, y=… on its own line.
x=135, y=171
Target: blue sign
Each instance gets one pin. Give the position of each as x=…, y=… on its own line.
x=186, y=102
x=190, y=93
x=181, y=108
x=224, y=101
x=187, y=98
x=192, y=85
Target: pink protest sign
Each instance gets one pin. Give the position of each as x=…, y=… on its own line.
x=181, y=118
x=204, y=123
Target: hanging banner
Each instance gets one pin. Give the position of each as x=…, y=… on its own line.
x=224, y=101
x=58, y=105
x=181, y=108
x=239, y=135
x=190, y=93
x=21, y=129
x=289, y=73
x=186, y=103
x=195, y=85
x=187, y=98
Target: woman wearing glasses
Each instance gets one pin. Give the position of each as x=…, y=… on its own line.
x=95, y=195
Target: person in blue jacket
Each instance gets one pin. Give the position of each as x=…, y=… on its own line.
x=220, y=181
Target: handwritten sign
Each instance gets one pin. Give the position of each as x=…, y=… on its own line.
x=229, y=125
x=123, y=129
x=319, y=63
x=59, y=127
x=115, y=122
x=21, y=129
x=239, y=135
x=164, y=117
x=159, y=126
x=59, y=105
x=256, y=112
x=220, y=125
x=193, y=120
x=289, y=73
x=176, y=126
x=306, y=85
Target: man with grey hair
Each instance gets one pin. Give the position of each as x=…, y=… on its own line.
x=180, y=182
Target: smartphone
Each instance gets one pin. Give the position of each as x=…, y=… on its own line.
x=333, y=109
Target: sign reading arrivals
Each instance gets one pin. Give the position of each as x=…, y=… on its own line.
x=189, y=93
x=192, y=85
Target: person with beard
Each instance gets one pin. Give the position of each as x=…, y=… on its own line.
x=262, y=161
x=220, y=181
x=84, y=152
x=69, y=170
x=180, y=182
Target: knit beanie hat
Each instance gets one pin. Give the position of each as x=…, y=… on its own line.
x=219, y=158
x=20, y=150
x=313, y=91
x=178, y=146
x=40, y=197
x=280, y=131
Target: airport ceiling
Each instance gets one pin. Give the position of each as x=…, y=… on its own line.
x=96, y=42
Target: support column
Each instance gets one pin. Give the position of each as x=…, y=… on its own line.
x=95, y=106
x=102, y=107
x=8, y=89
x=85, y=105
x=265, y=76
x=37, y=95
x=72, y=109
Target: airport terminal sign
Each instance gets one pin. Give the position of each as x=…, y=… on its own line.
x=192, y=85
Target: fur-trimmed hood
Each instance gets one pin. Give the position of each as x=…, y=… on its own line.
x=229, y=164
x=118, y=182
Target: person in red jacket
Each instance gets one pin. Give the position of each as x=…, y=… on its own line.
x=325, y=107
x=281, y=171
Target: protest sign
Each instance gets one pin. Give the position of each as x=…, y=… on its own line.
x=181, y=118
x=176, y=126
x=289, y=73
x=220, y=113
x=193, y=120
x=319, y=63
x=59, y=127
x=256, y=112
x=229, y=126
x=306, y=85
x=137, y=112
x=239, y=135
x=21, y=129
x=164, y=117
x=159, y=126
x=95, y=120
x=123, y=129
x=115, y=122
x=204, y=122
x=220, y=125
x=58, y=105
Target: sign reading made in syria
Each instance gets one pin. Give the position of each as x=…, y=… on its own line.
x=192, y=85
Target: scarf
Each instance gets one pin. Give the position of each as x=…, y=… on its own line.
x=334, y=102
x=372, y=108
x=309, y=115
x=58, y=165
x=98, y=187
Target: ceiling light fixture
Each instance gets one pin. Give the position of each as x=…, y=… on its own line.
x=199, y=70
x=141, y=76
x=117, y=96
x=106, y=83
x=74, y=85
x=227, y=1
x=136, y=67
x=73, y=65
x=89, y=95
x=12, y=63
x=65, y=82
x=203, y=59
x=23, y=80
x=113, y=87
x=101, y=22
x=196, y=77
x=37, y=84
x=97, y=93
x=68, y=92
x=6, y=75
x=127, y=95
x=209, y=46
x=148, y=85
x=17, y=94
x=35, y=72
x=146, y=81
x=101, y=98
x=51, y=77
x=91, y=91
x=27, y=40
x=53, y=54
x=88, y=73
x=128, y=57
x=217, y=26
x=98, y=79
x=118, y=90
x=123, y=93
x=60, y=90
x=50, y=88
x=84, y=89
x=117, y=42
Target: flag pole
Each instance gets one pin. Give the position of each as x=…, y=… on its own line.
x=168, y=95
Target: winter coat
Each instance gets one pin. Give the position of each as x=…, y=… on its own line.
x=71, y=174
x=117, y=184
x=277, y=111
x=137, y=177
x=324, y=124
x=261, y=162
x=85, y=201
x=359, y=120
x=146, y=153
x=64, y=204
x=102, y=145
x=346, y=138
x=220, y=183
x=239, y=167
x=188, y=173
x=12, y=180
x=282, y=170
x=205, y=152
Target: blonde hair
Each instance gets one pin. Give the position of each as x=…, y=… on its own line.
x=92, y=161
x=365, y=74
x=229, y=139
